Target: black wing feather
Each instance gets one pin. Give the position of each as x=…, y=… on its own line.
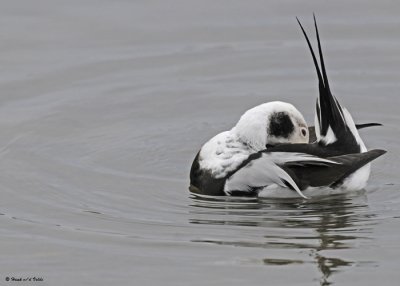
x=330, y=175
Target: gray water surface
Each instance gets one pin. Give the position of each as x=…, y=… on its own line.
x=104, y=104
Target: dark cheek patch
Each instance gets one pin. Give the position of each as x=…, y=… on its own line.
x=280, y=125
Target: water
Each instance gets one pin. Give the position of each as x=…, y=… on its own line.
x=104, y=104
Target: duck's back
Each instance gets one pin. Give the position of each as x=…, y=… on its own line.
x=216, y=160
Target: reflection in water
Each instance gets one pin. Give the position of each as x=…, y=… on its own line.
x=337, y=222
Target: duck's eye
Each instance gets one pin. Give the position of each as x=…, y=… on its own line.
x=304, y=132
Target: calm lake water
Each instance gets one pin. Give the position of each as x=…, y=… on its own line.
x=104, y=104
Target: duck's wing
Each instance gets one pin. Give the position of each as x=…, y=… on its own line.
x=265, y=168
x=329, y=175
x=334, y=124
x=313, y=135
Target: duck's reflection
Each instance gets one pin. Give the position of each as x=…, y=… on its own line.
x=311, y=227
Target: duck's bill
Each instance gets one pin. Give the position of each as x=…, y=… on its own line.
x=365, y=125
x=313, y=136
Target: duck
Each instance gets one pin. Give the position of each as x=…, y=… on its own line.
x=272, y=146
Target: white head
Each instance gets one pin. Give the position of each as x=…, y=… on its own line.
x=272, y=123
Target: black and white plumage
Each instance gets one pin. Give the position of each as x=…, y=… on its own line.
x=270, y=146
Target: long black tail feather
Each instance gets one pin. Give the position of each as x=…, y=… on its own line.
x=328, y=110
